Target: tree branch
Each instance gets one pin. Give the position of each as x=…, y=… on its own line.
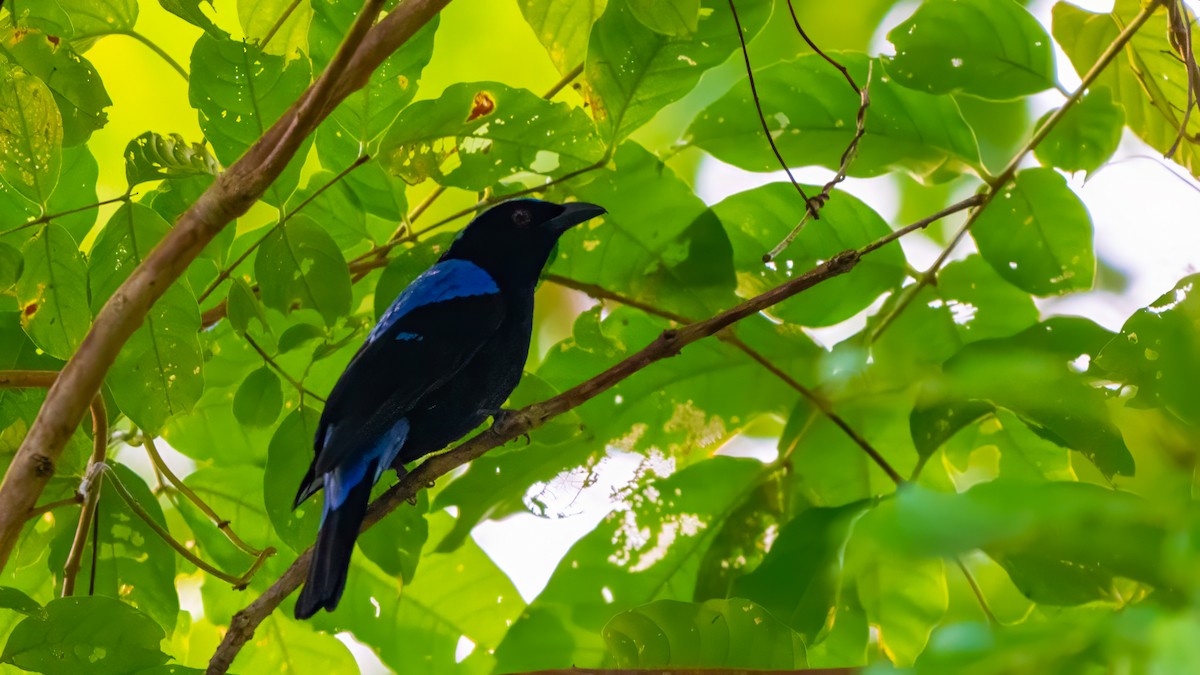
x=668, y=344
x=231, y=195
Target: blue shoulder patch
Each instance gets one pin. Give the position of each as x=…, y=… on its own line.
x=444, y=281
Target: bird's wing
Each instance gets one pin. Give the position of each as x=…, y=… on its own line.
x=429, y=333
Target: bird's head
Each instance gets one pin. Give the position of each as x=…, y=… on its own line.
x=513, y=239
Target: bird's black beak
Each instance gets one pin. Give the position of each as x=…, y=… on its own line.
x=574, y=214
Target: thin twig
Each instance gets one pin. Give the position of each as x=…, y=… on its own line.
x=279, y=369
x=811, y=208
x=283, y=17
x=89, y=490
x=669, y=343
x=818, y=202
x=74, y=500
x=1180, y=33
x=51, y=216
x=228, y=271
x=1010, y=170
x=222, y=524
x=162, y=54
x=979, y=597
x=239, y=582
x=815, y=48
x=730, y=338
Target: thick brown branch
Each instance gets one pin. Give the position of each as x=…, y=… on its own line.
x=231, y=195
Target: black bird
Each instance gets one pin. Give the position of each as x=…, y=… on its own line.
x=442, y=359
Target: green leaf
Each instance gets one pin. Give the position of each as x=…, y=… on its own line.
x=479, y=133
x=259, y=18
x=75, y=84
x=994, y=49
x=337, y=207
x=1027, y=525
x=243, y=306
x=153, y=156
x=1148, y=79
x=981, y=303
x=1087, y=135
x=563, y=26
x=396, y=543
x=633, y=71
x=656, y=243
x=298, y=335
x=76, y=189
x=53, y=292
x=905, y=598
x=190, y=11
x=135, y=564
x=811, y=113
x=669, y=17
x=1036, y=383
x=295, y=647
x=730, y=633
x=158, y=372
x=744, y=538
x=1037, y=234
x=1157, y=352
x=758, y=219
x=11, y=266
x=799, y=581
x=259, y=399
x=239, y=92
x=31, y=134
x=79, y=19
x=16, y=600
x=299, y=265
x=95, y=634
x=287, y=463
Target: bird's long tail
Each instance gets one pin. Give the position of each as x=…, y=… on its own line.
x=331, y=554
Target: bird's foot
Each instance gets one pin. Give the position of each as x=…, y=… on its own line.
x=505, y=422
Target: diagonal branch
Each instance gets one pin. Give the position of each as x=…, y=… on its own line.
x=231, y=195
x=668, y=344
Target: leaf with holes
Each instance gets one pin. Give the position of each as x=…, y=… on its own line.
x=993, y=49
x=759, y=219
x=153, y=156
x=562, y=26
x=811, y=114
x=72, y=79
x=478, y=134
x=633, y=72
x=731, y=633
x=1037, y=234
x=53, y=292
x=31, y=133
x=158, y=372
x=239, y=92
x=79, y=20
x=300, y=266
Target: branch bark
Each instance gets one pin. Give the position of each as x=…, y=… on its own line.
x=231, y=195
x=668, y=344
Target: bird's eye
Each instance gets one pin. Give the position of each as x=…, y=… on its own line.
x=521, y=217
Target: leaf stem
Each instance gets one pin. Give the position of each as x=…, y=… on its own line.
x=45, y=218
x=227, y=271
x=279, y=369
x=222, y=524
x=983, y=604
x=156, y=49
x=995, y=184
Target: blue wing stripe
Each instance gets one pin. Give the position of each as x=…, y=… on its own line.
x=446, y=280
x=343, y=478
